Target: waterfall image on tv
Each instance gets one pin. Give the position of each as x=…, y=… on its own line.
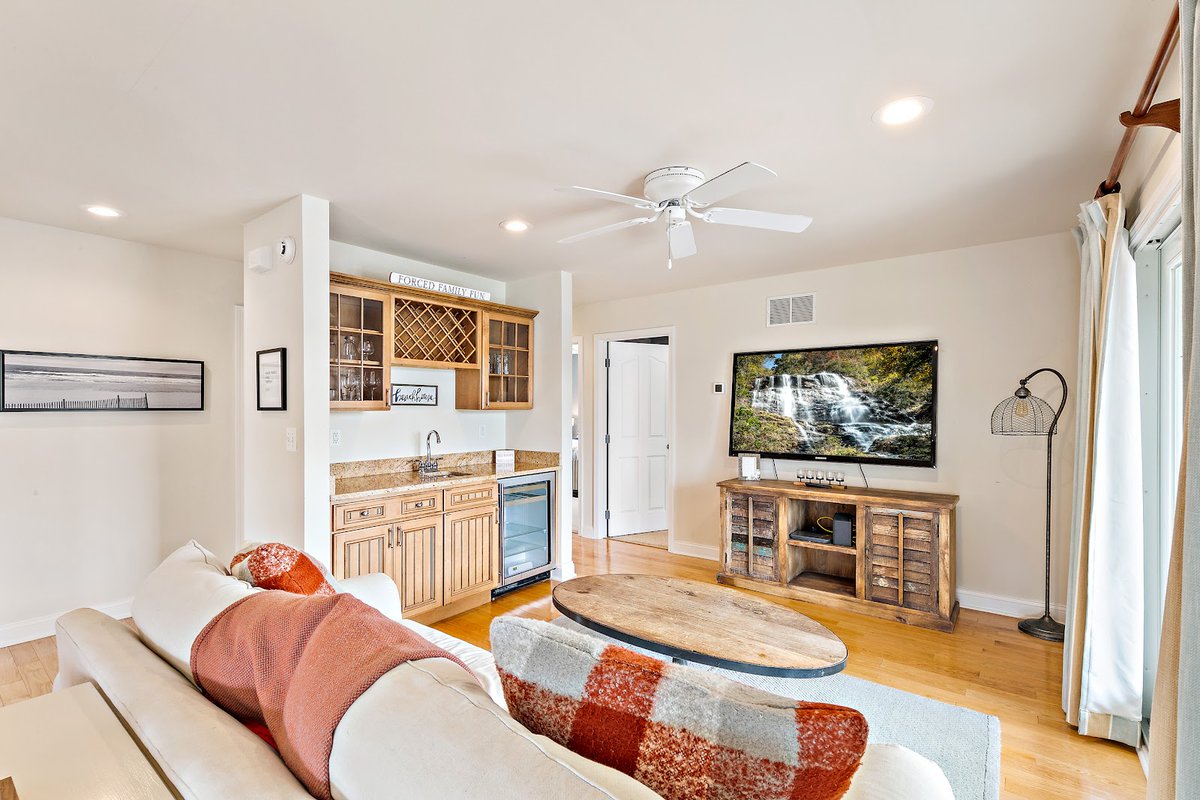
x=873, y=404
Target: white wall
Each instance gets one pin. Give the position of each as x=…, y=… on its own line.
x=287, y=493
x=999, y=311
x=547, y=426
x=367, y=435
x=91, y=501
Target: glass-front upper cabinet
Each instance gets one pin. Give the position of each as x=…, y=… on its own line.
x=506, y=371
x=359, y=351
x=509, y=362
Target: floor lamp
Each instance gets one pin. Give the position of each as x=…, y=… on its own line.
x=1026, y=414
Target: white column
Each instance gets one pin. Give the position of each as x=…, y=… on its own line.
x=287, y=491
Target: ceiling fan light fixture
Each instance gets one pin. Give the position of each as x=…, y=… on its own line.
x=903, y=111
x=515, y=225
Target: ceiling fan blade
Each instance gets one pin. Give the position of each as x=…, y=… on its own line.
x=739, y=179
x=639, y=202
x=681, y=241
x=789, y=223
x=616, y=226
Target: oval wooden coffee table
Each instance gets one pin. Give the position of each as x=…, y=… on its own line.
x=704, y=623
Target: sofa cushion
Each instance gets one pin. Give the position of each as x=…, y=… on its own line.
x=427, y=730
x=687, y=734
x=203, y=752
x=180, y=597
x=274, y=565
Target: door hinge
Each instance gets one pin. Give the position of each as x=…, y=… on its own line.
x=607, y=363
x=607, y=439
x=607, y=514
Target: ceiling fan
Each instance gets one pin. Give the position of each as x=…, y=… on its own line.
x=682, y=192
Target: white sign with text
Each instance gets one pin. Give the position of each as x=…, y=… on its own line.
x=439, y=286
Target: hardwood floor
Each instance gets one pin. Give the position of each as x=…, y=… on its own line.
x=651, y=539
x=985, y=665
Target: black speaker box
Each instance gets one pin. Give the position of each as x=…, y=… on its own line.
x=843, y=529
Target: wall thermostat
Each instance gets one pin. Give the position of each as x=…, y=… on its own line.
x=718, y=388
x=285, y=250
x=259, y=259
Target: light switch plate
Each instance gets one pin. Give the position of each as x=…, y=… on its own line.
x=335, y=438
x=291, y=440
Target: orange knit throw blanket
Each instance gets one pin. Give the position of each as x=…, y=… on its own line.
x=296, y=663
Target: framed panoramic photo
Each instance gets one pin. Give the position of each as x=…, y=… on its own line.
x=32, y=381
x=271, y=372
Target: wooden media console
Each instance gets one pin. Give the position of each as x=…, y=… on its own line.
x=899, y=566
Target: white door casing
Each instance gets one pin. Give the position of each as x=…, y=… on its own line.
x=638, y=427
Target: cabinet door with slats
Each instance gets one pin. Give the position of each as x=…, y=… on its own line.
x=902, y=566
x=472, y=552
x=418, y=563
x=363, y=551
x=753, y=536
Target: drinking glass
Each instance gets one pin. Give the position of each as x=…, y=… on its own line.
x=368, y=349
x=349, y=349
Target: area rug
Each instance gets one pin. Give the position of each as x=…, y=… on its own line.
x=964, y=743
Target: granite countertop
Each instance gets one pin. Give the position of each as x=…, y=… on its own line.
x=364, y=487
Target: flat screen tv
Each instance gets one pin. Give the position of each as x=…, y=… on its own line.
x=869, y=404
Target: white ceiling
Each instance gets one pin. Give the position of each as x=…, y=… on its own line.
x=427, y=123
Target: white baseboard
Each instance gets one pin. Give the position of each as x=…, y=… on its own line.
x=1016, y=607
x=709, y=551
x=27, y=630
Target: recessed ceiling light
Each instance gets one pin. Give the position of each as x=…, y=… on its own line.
x=103, y=211
x=903, y=111
x=515, y=225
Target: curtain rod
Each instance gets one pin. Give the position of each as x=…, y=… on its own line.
x=1165, y=115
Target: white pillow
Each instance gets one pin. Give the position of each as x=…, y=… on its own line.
x=180, y=597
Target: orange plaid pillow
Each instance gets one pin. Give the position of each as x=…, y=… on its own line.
x=687, y=734
x=278, y=566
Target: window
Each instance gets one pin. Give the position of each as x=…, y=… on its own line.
x=1160, y=311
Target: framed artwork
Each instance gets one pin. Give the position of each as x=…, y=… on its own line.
x=271, y=379
x=34, y=381
x=414, y=394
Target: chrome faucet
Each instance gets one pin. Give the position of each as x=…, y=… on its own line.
x=429, y=464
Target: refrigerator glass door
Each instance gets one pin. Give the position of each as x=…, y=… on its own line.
x=525, y=527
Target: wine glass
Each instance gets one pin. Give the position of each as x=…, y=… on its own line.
x=349, y=349
x=368, y=349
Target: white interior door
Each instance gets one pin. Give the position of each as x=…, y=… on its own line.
x=638, y=432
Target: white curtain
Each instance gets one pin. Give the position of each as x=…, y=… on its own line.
x=1102, y=656
x=1175, y=716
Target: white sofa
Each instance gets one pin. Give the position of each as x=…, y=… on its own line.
x=426, y=729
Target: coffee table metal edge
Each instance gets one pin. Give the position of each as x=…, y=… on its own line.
x=698, y=658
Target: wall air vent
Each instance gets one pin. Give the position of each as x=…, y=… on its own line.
x=790, y=309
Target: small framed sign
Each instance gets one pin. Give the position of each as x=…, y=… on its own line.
x=414, y=394
x=271, y=372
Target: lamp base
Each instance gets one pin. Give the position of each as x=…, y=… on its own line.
x=1044, y=627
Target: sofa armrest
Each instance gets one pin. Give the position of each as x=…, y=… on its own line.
x=376, y=590
x=892, y=772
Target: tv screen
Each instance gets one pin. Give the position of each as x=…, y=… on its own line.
x=873, y=404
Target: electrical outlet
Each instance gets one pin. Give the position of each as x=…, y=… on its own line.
x=335, y=438
x=483, y=431
x=290, y=433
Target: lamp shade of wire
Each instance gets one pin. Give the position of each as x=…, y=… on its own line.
x=1022, y=414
